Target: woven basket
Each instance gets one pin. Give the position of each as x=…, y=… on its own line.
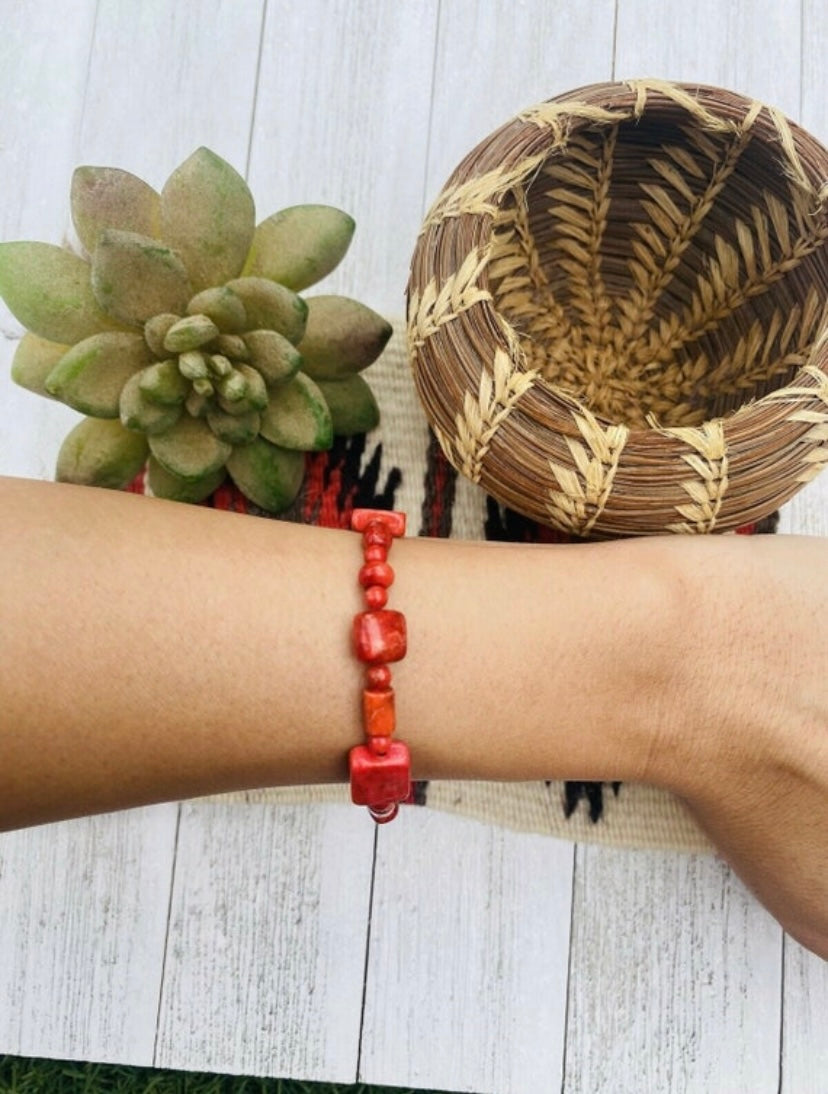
x=618, y=311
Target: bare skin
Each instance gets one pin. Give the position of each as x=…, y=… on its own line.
x=761, y=726
x=152, y=651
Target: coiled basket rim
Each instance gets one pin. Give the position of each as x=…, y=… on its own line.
x=536, y=445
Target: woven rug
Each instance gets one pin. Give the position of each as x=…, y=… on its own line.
x=400, y=466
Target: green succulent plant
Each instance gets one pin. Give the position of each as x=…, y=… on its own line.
x=181, y=336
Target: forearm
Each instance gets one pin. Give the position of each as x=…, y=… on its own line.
x=151, y=651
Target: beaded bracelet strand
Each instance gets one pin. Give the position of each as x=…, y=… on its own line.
x=380, y=769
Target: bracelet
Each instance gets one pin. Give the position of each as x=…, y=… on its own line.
x=380, y=769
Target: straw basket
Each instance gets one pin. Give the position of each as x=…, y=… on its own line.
x=618, y=311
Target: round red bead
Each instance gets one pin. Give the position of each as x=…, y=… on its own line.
x=376, y=553
x=376, y=573
x=376, y=596
x=378, y=677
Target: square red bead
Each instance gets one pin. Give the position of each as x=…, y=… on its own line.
x=380, y=636
x=380, y=780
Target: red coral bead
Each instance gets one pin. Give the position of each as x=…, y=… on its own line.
x=376, y=597
x=376, y=554
x=376, y=573
x=380, y=781
x=378, y=718
x=379, y=636
x=378, y=677
x=377, y=535
x=393, y=521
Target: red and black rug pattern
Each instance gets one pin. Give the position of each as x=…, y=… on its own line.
x=352, y=474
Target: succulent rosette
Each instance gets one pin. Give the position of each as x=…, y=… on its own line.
x=181, y=336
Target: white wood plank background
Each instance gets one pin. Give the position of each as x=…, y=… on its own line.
x=284, y=942
x=266, y=946
x=83, y=923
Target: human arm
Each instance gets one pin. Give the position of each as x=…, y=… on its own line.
x=154, y=651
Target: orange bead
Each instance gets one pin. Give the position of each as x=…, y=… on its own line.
x=379, y=745
x=378, y=712
x=379, y=636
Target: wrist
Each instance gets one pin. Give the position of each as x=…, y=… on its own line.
x=725, y=696
x=538, y=662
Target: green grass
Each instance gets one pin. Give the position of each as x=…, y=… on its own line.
x=27, y=1076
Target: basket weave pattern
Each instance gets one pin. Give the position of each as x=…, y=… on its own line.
x=618, y=311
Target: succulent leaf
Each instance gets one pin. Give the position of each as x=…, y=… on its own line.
x=100, y=452
x=140, y=413
x=197, y=405
x=271, y=354
x=298, y=417
x=300, y=245
x=232, y=387
x=219, y=365
x=194, y=365
x=190, y=449
x=223, y=306
x=155, y=331
x=107, y=197
x=135, y=277
x=342, y=337
x=352, y=405
x=162, y=383
x=235, y=407
x=33, y=360
x=203, y=386
x=271, y=307
x=208, y=216
x=256, y=390
x=270, y=476
x=47, y=289
x=190, y=333
x=163, y=484
x=232, y=346
x=234, y=428
x=91, y=375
